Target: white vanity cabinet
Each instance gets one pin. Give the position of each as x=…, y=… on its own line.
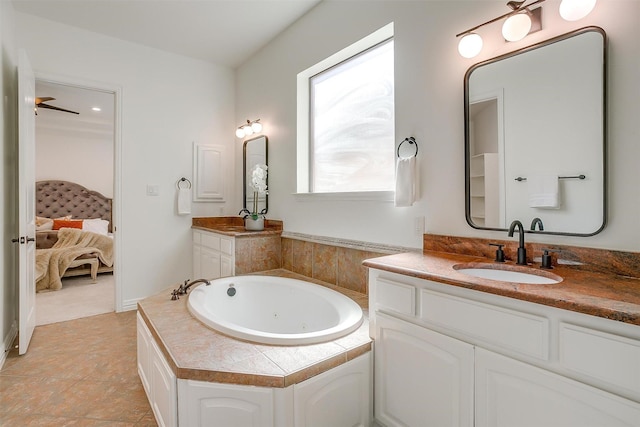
x=450, y=356
x=338, y=397
x=157, y=378
x=213, y=255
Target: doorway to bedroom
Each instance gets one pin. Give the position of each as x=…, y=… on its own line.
x=75, y=144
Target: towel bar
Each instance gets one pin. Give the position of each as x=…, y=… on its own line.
x=519, y=179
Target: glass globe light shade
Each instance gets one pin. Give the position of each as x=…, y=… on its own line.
x=516, y=27
x=256, y=126
x=247, y=130
x=573, y=10
x=470, y=45
x=240, y=133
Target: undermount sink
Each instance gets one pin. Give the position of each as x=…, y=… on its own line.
x=508, y=273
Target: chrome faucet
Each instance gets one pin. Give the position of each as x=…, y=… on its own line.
x=522, y=252
x=538, y=222
x=183, y=288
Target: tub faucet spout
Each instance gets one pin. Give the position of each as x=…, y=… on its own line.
x=183, y=288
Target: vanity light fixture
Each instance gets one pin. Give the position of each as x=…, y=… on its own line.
x=249, y=128
x=520, y=22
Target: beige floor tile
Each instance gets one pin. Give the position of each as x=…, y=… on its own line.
x=25, y=395
x=77, y=373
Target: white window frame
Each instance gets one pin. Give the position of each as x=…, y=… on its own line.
x=303, y=120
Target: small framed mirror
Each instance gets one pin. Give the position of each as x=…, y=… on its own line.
x=535, y=137
x=254, y=152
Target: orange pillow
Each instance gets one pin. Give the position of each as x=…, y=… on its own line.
x=71, y=223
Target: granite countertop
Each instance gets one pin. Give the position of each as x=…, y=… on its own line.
x=234, y=226
x=197, y=352
x=605, y=295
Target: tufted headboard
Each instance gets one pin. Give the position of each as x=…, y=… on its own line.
x=60, y=198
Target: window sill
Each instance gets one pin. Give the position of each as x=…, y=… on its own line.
x=376, y=196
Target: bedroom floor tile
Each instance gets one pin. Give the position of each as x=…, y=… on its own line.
x=77, y=373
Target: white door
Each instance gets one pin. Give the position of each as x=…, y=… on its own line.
x=26, y=201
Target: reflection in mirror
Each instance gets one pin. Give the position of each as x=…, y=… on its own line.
x=254, y=152
x=535, y=137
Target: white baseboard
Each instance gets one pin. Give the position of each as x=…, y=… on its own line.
x=8, y=342
x=130, y=304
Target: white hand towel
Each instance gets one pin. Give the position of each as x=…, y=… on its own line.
x=184, y=201
x=405, y=181
x=543, y=191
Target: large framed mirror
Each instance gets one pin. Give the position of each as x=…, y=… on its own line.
x=254, y=151
x=535, y=137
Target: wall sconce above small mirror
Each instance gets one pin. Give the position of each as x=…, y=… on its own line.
x=537, y=117
x=254, y=152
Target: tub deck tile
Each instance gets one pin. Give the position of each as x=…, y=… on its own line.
x=197, y=352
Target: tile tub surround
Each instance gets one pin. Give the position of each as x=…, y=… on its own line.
x=596, y=260
x=336, y=265
x=599, y=294
x=197, y=352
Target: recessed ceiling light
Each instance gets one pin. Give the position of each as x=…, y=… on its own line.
x=96, y=109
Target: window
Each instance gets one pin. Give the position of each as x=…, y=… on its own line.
x=346, y=133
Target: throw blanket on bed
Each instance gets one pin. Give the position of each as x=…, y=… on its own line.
x=52, y=263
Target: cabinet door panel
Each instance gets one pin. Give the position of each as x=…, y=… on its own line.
x=163, y=384
x=339, y=397
x=212, y=404
x=511, y=393
x=422, y=378
x=209, y=264
x=144, y=355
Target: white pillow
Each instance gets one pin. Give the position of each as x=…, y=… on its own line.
x=99, y=226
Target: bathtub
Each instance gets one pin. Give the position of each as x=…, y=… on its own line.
x=274, y=310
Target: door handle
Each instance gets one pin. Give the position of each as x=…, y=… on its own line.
x=15, y=240
x=31, y=239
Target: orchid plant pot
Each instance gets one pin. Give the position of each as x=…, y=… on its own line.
x=252, y=224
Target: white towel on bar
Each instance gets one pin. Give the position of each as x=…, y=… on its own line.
x=184, y=201
x=405, y=181
x=543, y=191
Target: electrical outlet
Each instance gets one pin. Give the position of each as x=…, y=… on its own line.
x=418, y=225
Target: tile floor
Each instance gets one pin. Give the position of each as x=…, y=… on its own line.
x=76, y=373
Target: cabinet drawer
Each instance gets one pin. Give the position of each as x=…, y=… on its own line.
x=210, y=241
x=395, y=296
x=482, y=323
x=196, y=236
x=606, y=357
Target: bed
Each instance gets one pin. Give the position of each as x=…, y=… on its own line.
x=73, y=233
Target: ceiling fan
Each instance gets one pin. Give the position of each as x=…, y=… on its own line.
x=40, y=103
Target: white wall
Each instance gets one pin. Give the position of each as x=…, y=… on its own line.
x=75, y=155
x=168, y=101
x=8, y=174
x=429, y=105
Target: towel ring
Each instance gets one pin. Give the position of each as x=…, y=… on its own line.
x=181, y=180
x=410, y=140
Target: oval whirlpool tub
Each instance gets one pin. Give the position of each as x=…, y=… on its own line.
x=274, y=310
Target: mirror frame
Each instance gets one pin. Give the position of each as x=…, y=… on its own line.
x=467, y=146
x=244, y=172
